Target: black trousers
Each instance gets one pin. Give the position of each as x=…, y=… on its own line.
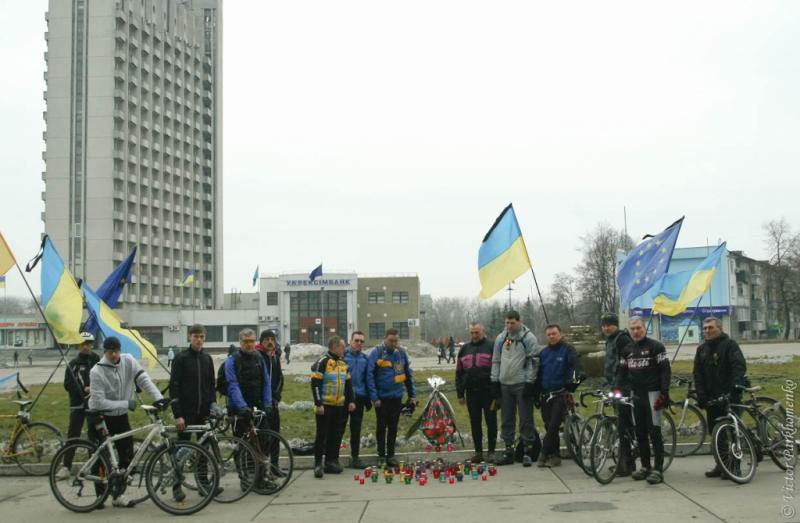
x=478, y=406
x=388, y=415
x=647, y=432
x=356, y=419
x=330, y=429
x=76, y=418
x=553, y=413
x=118, y=425
x=275, y=424
x=625, y=428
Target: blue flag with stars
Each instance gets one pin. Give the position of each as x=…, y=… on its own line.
x=646, y=263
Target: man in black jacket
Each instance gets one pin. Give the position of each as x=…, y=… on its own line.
x=646, y=368
x=474, y=387
x=618, y=342
x=268, y=348
x=719, y=366
x=76, y=383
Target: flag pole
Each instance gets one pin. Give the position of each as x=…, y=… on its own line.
x=691, y=319
x=541, y=300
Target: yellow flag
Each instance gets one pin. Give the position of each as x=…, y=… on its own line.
x=7, y=259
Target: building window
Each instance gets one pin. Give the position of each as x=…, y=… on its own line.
x=234, y=330
x=402, y=327
x=376, y=297
x=400, y=297
x=214, y=333
x=377, y=331
x=272, y=298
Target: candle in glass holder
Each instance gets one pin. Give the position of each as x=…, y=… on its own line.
x=483, y=477
x=451, y=480
x=361, y=481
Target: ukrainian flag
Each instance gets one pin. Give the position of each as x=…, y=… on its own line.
x=7, y=259
x=502, y=257
x=132, y=341
x=61, y=299
x=187, y=279
x=676, y=291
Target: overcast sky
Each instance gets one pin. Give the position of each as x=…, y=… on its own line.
x=385, y=137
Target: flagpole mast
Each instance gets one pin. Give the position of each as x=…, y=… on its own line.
x=322, y=312
x=691, y=319
x=541, y=300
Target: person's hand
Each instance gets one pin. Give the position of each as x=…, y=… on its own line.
x=462, y=401
x=661, y=402
x=131, y=405
x=216, y=411
x=351, y=407
x=377, y=404
x=245, y=414
x=496, y=391
x=103, y=432
x=320, y=410
x=161, y=404
x=180, y=424
x=86, y=390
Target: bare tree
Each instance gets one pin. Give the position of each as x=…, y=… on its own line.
x=564, y=296
x=597, y=271
x=783, y=248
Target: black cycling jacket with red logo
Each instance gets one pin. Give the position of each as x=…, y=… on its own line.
x=645, y=366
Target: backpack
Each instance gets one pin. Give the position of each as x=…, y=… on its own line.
x=222, y=380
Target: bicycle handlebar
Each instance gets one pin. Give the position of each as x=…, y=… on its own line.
x=594, y=393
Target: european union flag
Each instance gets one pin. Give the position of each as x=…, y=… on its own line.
x=646, y=263
x=316, y=273
x=111, y=289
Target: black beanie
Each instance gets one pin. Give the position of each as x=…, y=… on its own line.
x=265, y=334
x=111, y=343
x=609, y=318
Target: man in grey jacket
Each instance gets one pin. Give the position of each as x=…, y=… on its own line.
x=111, y=387
x=514, y=368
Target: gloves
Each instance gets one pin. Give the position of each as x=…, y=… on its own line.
x=268, y=411
x=216, y=411
x=131, y=405
x=495, y=390
x=245, y=414
x=662, y=402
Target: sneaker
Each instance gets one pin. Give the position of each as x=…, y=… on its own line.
x=477, y=457
x=542, y=461
x=318, y=470
x=62, y=474
x=507, y=458
x=640, y=474
x=333, y=467
x=715, y=472
x=553, y=461
x=356, y=463
x=178, y=494
x=526, y=460
x=122, y=502
x=391, y=461
x=654, y=477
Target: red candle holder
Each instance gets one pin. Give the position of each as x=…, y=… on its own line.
x=367, y=472
x=361, y=481
x=356, y=477
x=483, y=477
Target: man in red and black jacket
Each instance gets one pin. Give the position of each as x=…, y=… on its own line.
x=473, y=386
x=646, y=368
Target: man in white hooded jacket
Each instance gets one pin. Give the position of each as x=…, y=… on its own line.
x=111, y=387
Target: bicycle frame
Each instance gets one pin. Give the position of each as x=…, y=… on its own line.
x=22, y=418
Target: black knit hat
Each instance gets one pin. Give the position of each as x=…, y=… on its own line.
x=609, y=318
x=266, y=334
x=111, y=344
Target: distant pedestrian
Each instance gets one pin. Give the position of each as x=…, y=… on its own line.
x=16, y=359
x=442, y=354
x=286, y=351
x=451, y=350
x=30, y=358
x=170, y=357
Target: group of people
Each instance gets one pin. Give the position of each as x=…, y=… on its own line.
x=514, y=374
x=446, y=347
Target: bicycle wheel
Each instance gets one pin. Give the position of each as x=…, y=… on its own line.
x=137, y=485
x=86, y=487
x=772, y=430
x=604, y=454
x=690, y=429
x=34, y=446
x=238, y=467
x=585, y=441
x=670, y=439
x=572, y=434
x=181, y=477
x=734, y=451
x=276, y=461
x=764, y=405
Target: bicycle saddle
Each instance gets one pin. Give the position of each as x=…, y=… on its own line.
x=149, y=408
x=22, y=403
x=753, y=389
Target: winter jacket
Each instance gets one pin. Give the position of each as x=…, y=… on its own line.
x=77, y=377
x=248, y=381
x=275, y=372
x=646, y=367
x=111, y=386
x=719, y=365
x=515, y=357
x=559, y=365
x=388, y=373
x=330, y=382
x=357, y=363
x=616, y=347
x=191, y=384
x=474, y=367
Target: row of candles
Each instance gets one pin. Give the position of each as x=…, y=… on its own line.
x=445, y=473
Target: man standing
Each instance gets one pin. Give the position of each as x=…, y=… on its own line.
x=719, y=366
x=111, y=387
x=332, y=391
x=16, y=359
x=646, y=367
x=559, y=371
x=357, y=363
x=268, y=349
x=287, y=351
x=514, y=367
x=388, y=373
x=30, y=358
x=76, y=383
x=474, y=387
x=171, y=354
x=617, y=345
x=451, y=350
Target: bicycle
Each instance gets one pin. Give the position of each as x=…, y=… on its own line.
x=588, y=429
x=32, y=443
x=738, y=449
x=605, y=446
x=573, y=422
x=691, y=426
x=275, y=457
x=95, y=472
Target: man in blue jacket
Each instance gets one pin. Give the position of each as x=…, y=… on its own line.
x=357, y=363
x=388, y=373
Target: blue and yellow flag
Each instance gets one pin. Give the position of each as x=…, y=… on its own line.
x=7, y=259
x=674, y=292
x=61, y=299
x=2, y=282
x=132, y=341
x=646, y=263
x=503, y=256
x=187, y=279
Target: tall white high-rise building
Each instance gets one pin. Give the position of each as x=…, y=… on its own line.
x=134, y=145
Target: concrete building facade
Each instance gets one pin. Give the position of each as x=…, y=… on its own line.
x=389, y=302
x=134, y=145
